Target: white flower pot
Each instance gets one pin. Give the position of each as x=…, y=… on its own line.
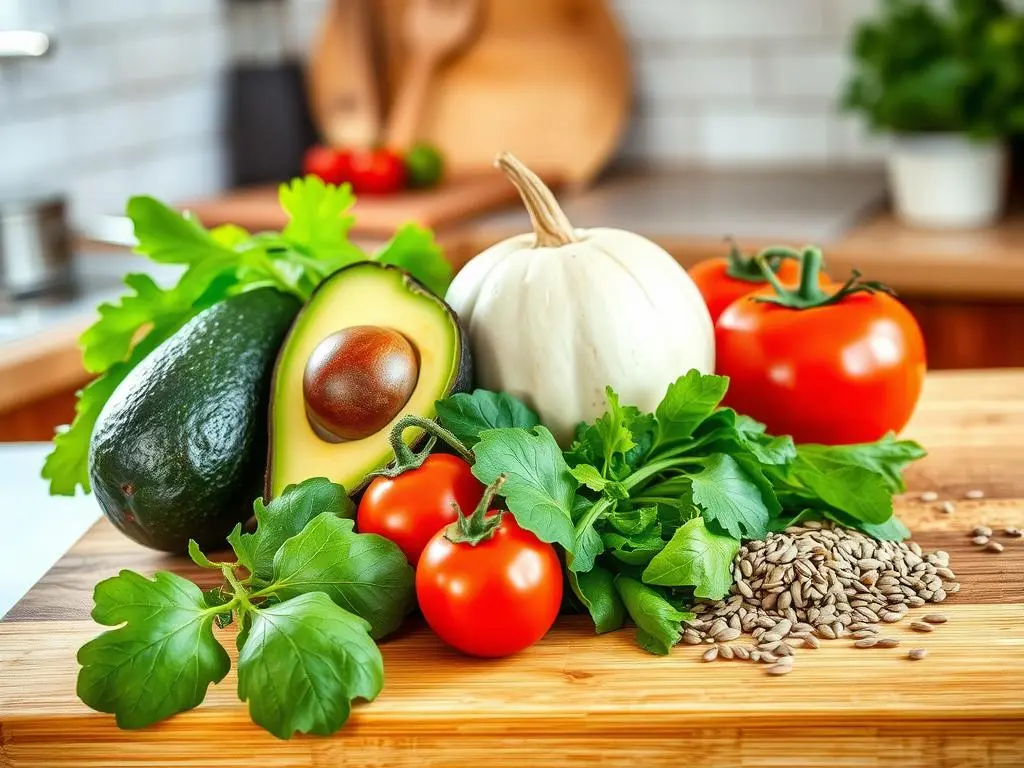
x=946, y=181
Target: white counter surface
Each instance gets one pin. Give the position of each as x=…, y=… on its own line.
x=37, y=528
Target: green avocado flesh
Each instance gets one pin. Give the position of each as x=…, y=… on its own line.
x=364, y=294
x=179, y=449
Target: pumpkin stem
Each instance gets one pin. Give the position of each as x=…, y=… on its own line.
x=550, y=225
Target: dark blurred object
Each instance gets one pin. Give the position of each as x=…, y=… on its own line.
x=268, y=123
x=35, y=255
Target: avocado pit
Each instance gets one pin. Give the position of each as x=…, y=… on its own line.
x=357, y=380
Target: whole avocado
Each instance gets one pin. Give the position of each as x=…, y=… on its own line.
x=179, y=449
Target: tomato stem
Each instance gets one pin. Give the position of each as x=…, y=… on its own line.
x=748, y=269
x=406, y=458
x=809, y=293
x=477, y=527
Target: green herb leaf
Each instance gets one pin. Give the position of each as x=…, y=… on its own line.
x=731, y=498
x=887, y=457
x=657, y=621
x=892, y=529
x=634, y=548
x=303, y=662
x=765, y=448
x=363, y=573
x=319, y=221
x=169, y=237
x=588, y=475
x=695, y=557
x=616, y=442
x=539, y=489
x=858, y=492
x=414, y=249
x=596, y=590
x=632, y=521
x=285, y=517
x=200, y=559
x=689, y=400
x=164, y=657
x=588, y=546
x=466, y=416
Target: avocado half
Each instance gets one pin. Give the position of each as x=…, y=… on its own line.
x=366, y=294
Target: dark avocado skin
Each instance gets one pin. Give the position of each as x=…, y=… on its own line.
x=178, y=451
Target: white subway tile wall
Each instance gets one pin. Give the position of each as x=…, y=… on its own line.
x=131, y=99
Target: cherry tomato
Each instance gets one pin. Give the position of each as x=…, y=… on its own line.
x=377, y=172
x=333, y=166
x=841, y=365
x=410, y=508
x=494, y=597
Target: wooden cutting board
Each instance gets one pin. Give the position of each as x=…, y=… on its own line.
x=578, y=699
x=548, y=80
x=457, y=198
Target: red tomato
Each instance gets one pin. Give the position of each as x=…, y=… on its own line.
x=724, y=279
x=332, y=165
x=377, y=172
x=411, y=508
x=493, y=598
x=843, y=372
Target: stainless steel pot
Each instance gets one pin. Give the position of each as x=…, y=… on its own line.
x=35, y=249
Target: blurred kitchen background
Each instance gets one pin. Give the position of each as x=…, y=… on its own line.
x=686, y=121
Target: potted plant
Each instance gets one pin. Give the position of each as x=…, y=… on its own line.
x=946, y=80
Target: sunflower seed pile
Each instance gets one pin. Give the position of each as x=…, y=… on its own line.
x=818, y=581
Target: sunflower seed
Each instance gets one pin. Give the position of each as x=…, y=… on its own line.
x=825, y=631
x=993, y=546
x=921, y=626
x=724, y=651
x=779, y=669
x=887, y=642
x=1015, y=533
x=982, y=530
x=980, y=540
x=812, y=582
x=916, y=654
x=936, y=618
x=866, y=642
x=928, y=497
x=974, y=494
x=711, y=653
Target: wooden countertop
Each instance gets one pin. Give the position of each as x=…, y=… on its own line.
x=579, y=699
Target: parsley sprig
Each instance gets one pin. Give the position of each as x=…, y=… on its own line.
x=309, y=596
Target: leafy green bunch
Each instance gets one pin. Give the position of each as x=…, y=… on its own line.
x=651, y=508
x=216, y=264
x=930, y=67
x=309, y=596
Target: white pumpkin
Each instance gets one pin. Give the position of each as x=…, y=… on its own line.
x=557, y=315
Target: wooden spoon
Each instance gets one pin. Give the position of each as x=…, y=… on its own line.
x=432, y=30
x=344, y=91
